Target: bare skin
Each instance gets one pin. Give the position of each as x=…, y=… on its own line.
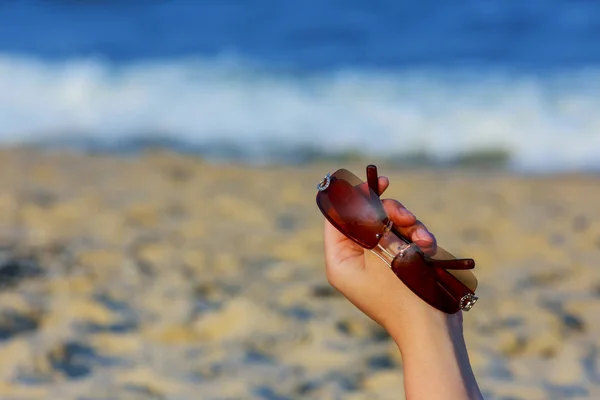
x=435, y=359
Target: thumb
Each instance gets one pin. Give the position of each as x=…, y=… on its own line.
x=339, y=249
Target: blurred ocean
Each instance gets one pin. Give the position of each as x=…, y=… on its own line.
x=274, y=80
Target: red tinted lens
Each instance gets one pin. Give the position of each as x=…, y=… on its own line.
x=353, y=208
x=436, y=286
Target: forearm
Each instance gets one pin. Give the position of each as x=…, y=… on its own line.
x=435, y=359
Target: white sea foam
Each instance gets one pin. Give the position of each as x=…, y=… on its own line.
x=547, y=122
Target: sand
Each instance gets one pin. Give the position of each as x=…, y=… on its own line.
x=165, y=277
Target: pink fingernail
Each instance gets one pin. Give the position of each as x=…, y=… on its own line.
x=405, y=212
x=422, y=234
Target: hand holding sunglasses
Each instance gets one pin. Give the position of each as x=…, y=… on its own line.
x=355, y=209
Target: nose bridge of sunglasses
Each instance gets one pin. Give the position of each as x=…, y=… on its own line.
x=390, y=246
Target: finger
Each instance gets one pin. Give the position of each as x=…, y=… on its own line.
x=420, y=235
x=338, y=247
x=408, y=226
x=399, y=215
x=331, y=235
x=384, y=183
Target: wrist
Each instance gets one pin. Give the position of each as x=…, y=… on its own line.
x=424, y=324
x=433, y=348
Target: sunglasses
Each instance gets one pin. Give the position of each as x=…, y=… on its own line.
x=354, y=208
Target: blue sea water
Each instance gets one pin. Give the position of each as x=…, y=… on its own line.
x=382, y=77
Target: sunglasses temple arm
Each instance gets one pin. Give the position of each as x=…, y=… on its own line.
x=458, y=264
x=451, y=284
x=397, y=233
x=373, y=182
x=373, y=179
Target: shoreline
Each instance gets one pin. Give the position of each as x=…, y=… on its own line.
x=341, y=160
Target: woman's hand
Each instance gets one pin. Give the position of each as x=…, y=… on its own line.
x=365, y=280
x=435, y=359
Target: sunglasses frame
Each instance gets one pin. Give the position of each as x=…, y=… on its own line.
x=395, y=257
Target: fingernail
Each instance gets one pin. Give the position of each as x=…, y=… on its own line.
x=422, y=234
x=405, y=212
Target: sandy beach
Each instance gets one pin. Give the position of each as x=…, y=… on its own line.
x=166, y=277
